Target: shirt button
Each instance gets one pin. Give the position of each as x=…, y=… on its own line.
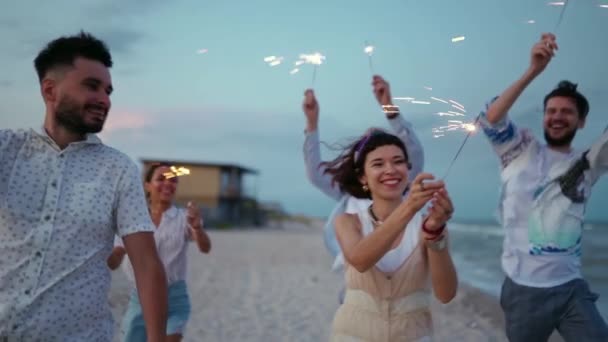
x=27, y=292
x=38, y=254
x=54, y=184
x=47, y=217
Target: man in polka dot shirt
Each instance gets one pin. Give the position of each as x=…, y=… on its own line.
x=64, y=195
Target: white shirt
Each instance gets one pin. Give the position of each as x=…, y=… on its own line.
x=171, y=237
x=542, y=217
x=394, y=258
x=346, y=203
x=59, y=212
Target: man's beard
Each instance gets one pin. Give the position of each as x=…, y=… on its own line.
x=562, y=141
x=70, y=115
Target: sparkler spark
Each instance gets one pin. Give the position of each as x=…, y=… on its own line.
x=315, y=58
x=457, y=39
x=428, y=88
x=531, y=21
x=202, y=51
x=273, y=60
x=456, y=103
x=420, y=102
x=369, y=50
x=276, y=62
x=176, y=172
x=293, y=71
x=469, y=127
x=556, y=3
x=439, y=100
x=403, y=98
x=459, y=108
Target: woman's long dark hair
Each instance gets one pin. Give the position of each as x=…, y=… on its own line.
x=348, y=167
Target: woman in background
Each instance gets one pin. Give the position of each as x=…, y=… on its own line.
x=174, y=229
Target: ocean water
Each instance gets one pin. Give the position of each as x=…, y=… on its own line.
x=476, y=250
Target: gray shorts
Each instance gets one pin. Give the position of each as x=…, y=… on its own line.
x=533, y=313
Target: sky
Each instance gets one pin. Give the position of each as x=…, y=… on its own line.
x=229, y=105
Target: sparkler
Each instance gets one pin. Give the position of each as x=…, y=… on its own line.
x=273, y=60
x=470, y=128
x=315, y=59
x=176, y=172
x=561, y=14
x=369, y=50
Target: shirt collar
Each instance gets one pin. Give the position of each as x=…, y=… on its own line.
x=171, y=213
x=89, y=137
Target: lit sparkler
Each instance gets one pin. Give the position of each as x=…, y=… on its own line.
x=176, y=172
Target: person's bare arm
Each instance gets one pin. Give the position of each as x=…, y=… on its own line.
x=116, y=257
x=195, y=228
x=363, y=252
x=443, y=273
x=151, y=282
x=541, y=55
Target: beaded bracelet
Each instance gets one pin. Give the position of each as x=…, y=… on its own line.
x=434, y=233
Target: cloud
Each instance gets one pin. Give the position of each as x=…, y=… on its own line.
x=128, y=124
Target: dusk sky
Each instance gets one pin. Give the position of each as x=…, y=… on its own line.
x=228, y=105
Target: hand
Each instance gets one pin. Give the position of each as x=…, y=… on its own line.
x=542, y=52
x=120, y=250
x=311, y=110
x=193, y=216
x=420, y=193
x=382, y=91
x=439, y=213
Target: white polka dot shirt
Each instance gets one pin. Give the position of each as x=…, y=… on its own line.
x=59, y=212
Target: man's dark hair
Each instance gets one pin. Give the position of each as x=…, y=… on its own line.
x=64, y=50
x=568, y=89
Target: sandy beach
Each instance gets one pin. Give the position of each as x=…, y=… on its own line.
x=275, y=285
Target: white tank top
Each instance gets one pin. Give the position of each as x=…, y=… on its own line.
x=394, y=258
